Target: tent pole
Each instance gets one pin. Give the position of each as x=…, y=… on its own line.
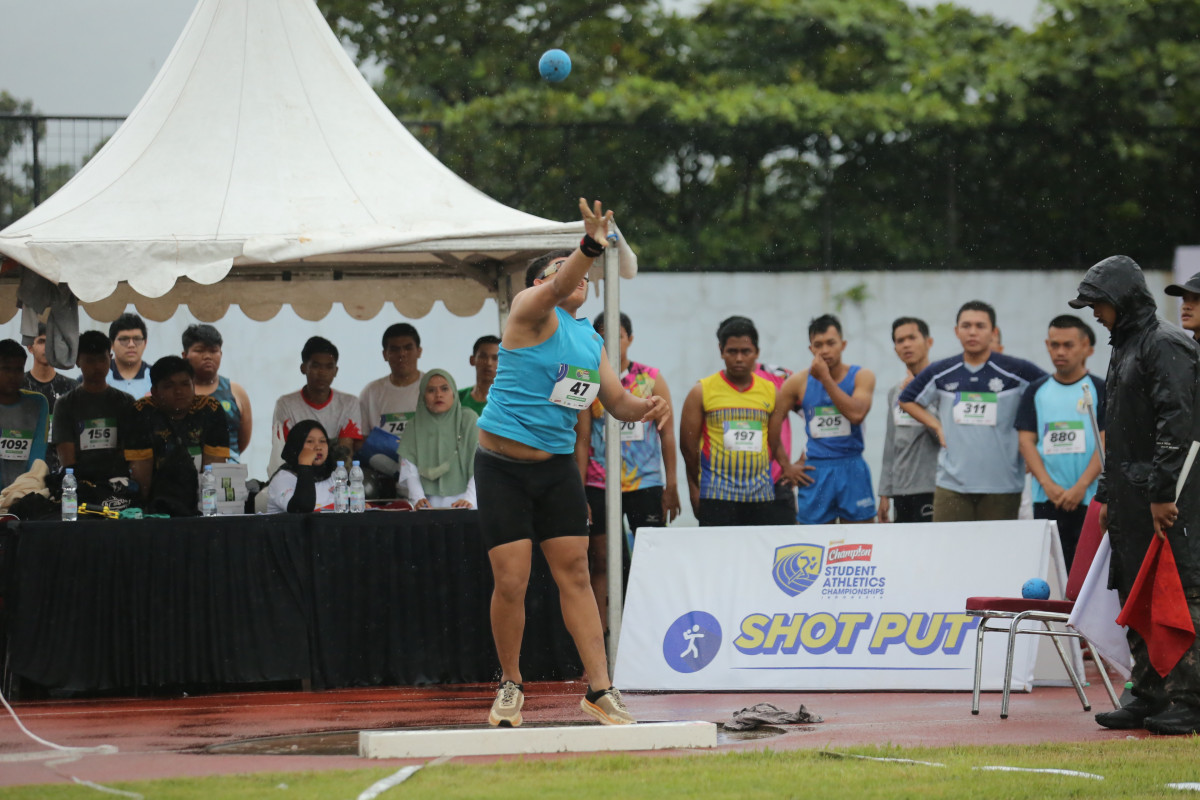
x=504, y=296
x=614, y=519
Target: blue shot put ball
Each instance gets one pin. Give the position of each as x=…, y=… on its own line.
x=1035, y=589
x=555, y=65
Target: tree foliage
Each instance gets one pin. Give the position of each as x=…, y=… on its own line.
x=799, y=134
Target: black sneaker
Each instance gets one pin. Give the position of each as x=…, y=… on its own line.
x=1132, y=716
x=1178, y=720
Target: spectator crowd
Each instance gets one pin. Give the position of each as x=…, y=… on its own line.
x=960, y=433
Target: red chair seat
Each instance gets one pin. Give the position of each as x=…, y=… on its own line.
x=1016, y=605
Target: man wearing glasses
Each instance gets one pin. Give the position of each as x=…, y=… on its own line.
x=130, y=373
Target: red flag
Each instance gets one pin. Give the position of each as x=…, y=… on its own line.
x=1157, y=608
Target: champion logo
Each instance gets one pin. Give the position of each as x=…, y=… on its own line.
x=849, y=552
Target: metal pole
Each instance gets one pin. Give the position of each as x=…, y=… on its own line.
x=37, y=166
x=614, y=529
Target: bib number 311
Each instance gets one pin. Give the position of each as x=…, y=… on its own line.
x=575, y=387
x=975, y=408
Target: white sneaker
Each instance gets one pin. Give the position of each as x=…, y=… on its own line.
x=609, y=708
x=506, y=711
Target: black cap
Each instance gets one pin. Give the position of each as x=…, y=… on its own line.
x=1088, y=295
x=1192, y=285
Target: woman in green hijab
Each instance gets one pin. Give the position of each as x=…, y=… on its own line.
x=438, y=449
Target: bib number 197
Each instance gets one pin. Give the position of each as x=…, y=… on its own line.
x=743, y=436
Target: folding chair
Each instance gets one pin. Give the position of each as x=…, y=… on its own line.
x=1017, y=610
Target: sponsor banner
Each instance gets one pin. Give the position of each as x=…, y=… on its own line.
x=828, y=607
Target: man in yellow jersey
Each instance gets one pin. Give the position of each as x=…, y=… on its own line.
x=723, y=433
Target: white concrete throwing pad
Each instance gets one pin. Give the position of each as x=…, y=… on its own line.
x=550, y=739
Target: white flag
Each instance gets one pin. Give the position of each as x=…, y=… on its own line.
x=1096, y=610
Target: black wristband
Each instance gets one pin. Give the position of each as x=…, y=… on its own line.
x=590, y=247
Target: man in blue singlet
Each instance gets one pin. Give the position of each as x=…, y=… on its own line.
x=835, y=398
x=526, y=479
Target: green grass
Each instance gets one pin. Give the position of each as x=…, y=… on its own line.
x=1131, y=768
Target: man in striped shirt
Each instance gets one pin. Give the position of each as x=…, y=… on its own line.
x=970, y=403
x=723, y=433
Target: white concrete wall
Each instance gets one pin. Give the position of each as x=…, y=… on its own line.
x=674, y=319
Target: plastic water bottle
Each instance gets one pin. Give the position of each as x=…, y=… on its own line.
x=70, y=502
x=208, y=492
x=340, y=494
x=358, y=495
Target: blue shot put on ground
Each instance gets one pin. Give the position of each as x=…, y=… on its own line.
x=1035, y=589
x=555, y=65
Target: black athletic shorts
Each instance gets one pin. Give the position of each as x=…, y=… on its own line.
x=536, y=500
x=726, y=513
x=642, y=507
x=913, y=507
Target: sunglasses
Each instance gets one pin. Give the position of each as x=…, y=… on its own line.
x=555, y=267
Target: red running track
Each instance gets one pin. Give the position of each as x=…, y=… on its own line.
x=167, y=737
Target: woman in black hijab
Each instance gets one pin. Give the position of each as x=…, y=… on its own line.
x=304, y=482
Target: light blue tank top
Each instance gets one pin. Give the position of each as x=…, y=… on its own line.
x=823, y=426
x=519, y=406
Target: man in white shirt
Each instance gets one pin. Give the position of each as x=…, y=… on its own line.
x=391, y=401
x=338, y=412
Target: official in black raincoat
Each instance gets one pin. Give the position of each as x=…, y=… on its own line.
x=1153, y=416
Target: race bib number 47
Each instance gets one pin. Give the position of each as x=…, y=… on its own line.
x=975, y=408
x=575, y=387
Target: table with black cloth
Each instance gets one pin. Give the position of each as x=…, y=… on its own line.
x=379, y=598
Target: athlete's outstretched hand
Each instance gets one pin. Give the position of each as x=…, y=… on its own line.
x=657, y=408
x=595, y=221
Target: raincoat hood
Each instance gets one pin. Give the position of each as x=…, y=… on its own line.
x=1119, y=281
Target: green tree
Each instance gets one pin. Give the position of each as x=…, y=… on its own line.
x=800, y=133
x=13, y=132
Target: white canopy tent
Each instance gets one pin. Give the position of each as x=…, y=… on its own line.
x=260, y=169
